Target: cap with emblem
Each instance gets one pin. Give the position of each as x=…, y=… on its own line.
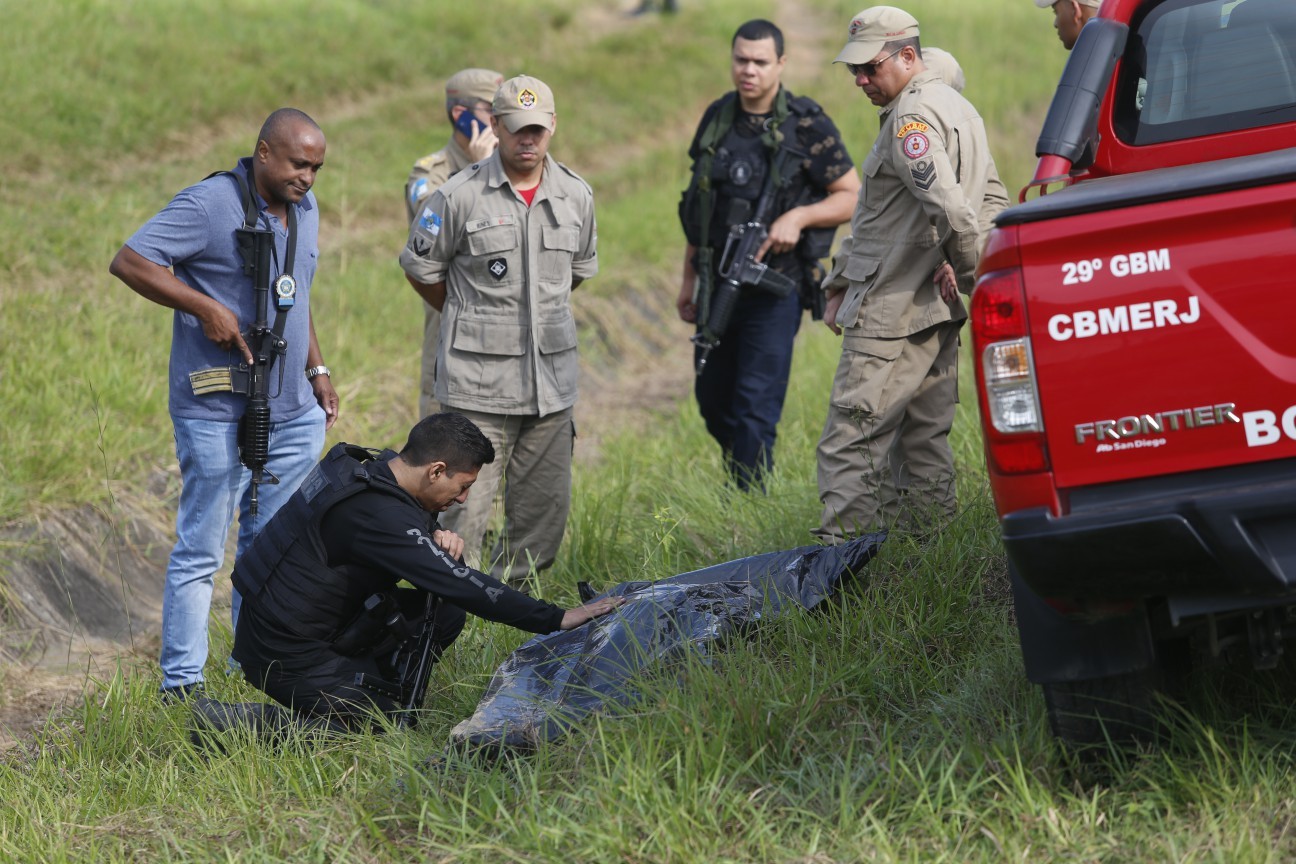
x=873, y=28
x=524, y=101
x=473, y=84
x=1048, y=4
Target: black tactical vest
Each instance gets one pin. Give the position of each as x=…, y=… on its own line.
x=734, y=177
x=738, y=178
x=285, y=572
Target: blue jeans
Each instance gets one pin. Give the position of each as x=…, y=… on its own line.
x=214, y=482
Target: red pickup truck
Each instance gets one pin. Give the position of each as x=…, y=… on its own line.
x=1135, y=342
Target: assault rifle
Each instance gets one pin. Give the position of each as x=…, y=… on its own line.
x=379, y=625
x=739, y=268
x=414, y=659
x=255, y=245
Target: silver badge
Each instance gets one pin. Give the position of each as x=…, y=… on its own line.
x=285, y=288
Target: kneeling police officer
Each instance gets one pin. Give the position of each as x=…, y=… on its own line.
x=323, y=625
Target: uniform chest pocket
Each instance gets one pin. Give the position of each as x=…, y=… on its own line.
x=495, y=252
x=879, y=186
x=493, y=235
x=558, y=245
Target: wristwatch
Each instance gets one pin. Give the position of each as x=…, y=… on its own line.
x=316, y=371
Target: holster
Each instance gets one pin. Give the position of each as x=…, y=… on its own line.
x=815, y=245
x=812, y=297
x=377, y=629
x=762, y=278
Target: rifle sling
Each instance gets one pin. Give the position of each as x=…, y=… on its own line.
x=251, y=219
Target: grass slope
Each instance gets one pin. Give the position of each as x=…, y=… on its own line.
x=896, y=726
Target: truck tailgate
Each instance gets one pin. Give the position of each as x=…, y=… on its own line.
x=1164, y=333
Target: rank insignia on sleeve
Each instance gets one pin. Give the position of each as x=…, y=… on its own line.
x=911, y=126
x=915, y=144
x=498, y=268
x=420, y=245
x=430, y=222
x=924, y=174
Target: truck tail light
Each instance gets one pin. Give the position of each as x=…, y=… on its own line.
x=1010, y=386
x=1010, y=407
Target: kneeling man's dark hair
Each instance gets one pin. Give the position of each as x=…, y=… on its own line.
x=450, y=438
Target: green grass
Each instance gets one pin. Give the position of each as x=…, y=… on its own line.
x=894, y=726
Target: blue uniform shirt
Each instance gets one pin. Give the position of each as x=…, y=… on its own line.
x=194, y=236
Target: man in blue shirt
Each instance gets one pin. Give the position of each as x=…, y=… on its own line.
x=187, y=258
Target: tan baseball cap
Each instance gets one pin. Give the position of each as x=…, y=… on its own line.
x=874, y=27
x=474, y=84
x=1048, y=4
x=524, y=101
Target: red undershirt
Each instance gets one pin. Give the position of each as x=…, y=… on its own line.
x=528, y=195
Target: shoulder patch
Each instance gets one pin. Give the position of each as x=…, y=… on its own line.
x=430, y=221
x=916, y=144
x=912, y=126
x=418, y=190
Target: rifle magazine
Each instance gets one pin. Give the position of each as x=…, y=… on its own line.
x=214, y=380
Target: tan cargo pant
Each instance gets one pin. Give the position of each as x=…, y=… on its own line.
x=427, y=373
x=884, y=458
x=533, y=458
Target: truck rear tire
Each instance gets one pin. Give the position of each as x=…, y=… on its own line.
x=1093, y=712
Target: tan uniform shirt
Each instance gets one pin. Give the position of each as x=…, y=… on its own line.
x=430, y=172
x=508, y=336
x=929, y=187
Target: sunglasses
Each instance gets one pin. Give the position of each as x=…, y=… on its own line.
x=868, y=70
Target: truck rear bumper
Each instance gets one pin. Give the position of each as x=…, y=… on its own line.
x=1227, y=533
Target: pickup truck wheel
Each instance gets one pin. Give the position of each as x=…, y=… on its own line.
x=1095, y=711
